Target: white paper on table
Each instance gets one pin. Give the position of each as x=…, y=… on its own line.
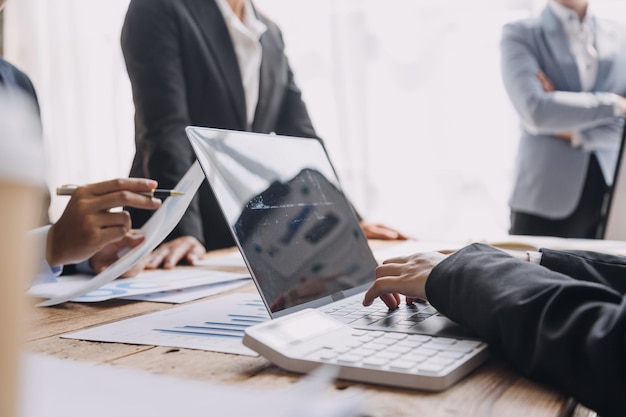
x=155, y=230
x=233, y=259
x=145, y=283
x=533, y=243
x=184, y=295
x=216, y=325
x=52, y=387
x=409, y=247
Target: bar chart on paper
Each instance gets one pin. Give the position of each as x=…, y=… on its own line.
x=215, y=325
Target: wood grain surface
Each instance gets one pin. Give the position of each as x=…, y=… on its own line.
x=493, y=390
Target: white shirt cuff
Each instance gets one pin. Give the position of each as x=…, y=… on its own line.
x=45, y=272
x=534, y=257
x=577, y=140
x=617, y=109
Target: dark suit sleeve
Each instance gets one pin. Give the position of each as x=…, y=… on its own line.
x=280, y=108
x=150, y=43
x=609, y=270
x=294, y=117
x=552, y=327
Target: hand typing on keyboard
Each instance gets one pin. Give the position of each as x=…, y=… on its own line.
x=402, y=275
x=378, y=316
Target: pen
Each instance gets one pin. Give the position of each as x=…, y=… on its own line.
x=68, y=189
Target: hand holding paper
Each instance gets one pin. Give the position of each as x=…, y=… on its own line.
x=154, y=231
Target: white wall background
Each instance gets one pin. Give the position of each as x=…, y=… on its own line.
x=406, y=94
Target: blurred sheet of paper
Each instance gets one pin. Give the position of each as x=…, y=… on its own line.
x=54, y=387
x=233, y=259
x=155, y=230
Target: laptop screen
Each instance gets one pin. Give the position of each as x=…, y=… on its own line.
x=296, y=230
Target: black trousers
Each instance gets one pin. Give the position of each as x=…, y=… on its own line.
x=584, y=222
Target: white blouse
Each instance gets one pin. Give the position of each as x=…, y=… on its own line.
x=246, y=36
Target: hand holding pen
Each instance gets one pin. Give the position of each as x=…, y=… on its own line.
x=68, y=189
x=88, y=224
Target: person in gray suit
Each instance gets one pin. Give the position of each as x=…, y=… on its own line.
x=564, y=73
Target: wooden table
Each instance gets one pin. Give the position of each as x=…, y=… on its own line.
x=492, y=390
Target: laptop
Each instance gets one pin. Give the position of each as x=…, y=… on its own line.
x=298, y=233
x=613, y=225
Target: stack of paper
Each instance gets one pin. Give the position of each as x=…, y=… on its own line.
x=171, y=286
x=99, y=288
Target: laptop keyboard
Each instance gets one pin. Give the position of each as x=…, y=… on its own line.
x=379, y=316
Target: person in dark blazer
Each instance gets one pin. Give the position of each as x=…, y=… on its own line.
x=564, y=74
x=210, y=63
x=558, y=316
